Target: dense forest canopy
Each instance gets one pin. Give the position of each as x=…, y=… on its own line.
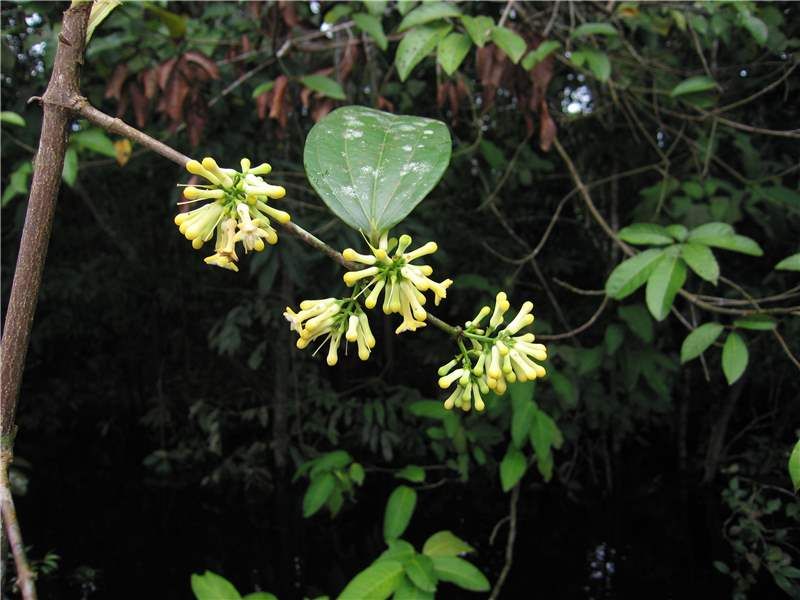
x=630, y=169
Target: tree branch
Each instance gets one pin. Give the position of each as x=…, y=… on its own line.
x=49, y=162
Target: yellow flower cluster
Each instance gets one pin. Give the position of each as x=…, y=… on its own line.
x=236, y=210
x=332, y=319
x=401, y=282
x=501, y=356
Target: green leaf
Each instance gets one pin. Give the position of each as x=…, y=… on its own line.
x=399, y=550
x=431, y=11
x=260, y=596
x=790, y=263
x=452, y=50
x=594, y=29
x=794, y=467
x=509, y=42
x=523, y=413
x=338, y=459
x=613, y=338
x=411, y=473
x=176, y=24
x=663, y=284
x=699, y=340
x=679, y=232
x=512, y=468
x=210, y=586
x=399, y=510
x=701, y=260
x=372, y=168
x=262, y=89
x=373, y=27
x=420, y=571
x=645, y=234
x=403, y=6
x=416, y=45
x=376, y=582
x=337, y=12
x=598, y=64
x=721, y=235
x=757, y=28
x=70, y=171
x=445, y=543
x=376, y=7
x=428, y=408
x=356, y=473
x=544, y=463
x=564, y=389
x=458, y=571
x=693, y=85
x=734, y=357
x=534, y=57
x=478, y=28
x=317, y=494
x=94, y=140
x=11, y=118
x=638, y=320
x=545, y=434
x=756, y=323
x=630, y=275
x=408, y=591
x=17, y=182
x=100, y=10
x=324, y=85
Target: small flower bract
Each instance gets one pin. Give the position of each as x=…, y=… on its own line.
x=236, y=210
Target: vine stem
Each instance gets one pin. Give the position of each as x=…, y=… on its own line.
x=512, y=536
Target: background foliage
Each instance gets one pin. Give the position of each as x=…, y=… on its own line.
x=169, y=426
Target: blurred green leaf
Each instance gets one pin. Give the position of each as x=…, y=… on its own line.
x=664, y=283
x=412, y=473
x=17, y=182
x=324, y=85
x=512, y=468
x=12, y=118
x=701, y=260
x=445, y=543
x=376, y=582
x=431, y=11
x=419, y=569
x=210, y=586
x=734, y=357
x=478, y=28
x=399, y=510
x=416, y=45
x=756, y=323
x=543, y=50
x=693, y=85
x=70, y=170
x=699, y=340
x=458, y=571
x=509, y=42
x=790, y=263
x=631, y=274
x=645, y=234
x=452, y=50
x=594, y=29
x=317, y=494
x=373, y=27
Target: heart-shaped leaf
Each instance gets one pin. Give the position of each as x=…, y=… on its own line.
x=372, y=168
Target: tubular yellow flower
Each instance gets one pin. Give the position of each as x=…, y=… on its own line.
x=497, y=357
x=401, y=282
x=240, y=197
x=332, y=319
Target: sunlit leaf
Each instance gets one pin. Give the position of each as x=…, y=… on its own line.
x=664, y=283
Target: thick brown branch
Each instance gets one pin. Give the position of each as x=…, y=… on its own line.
x=49, y=162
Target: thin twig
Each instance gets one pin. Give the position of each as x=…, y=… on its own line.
x=512, y=535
